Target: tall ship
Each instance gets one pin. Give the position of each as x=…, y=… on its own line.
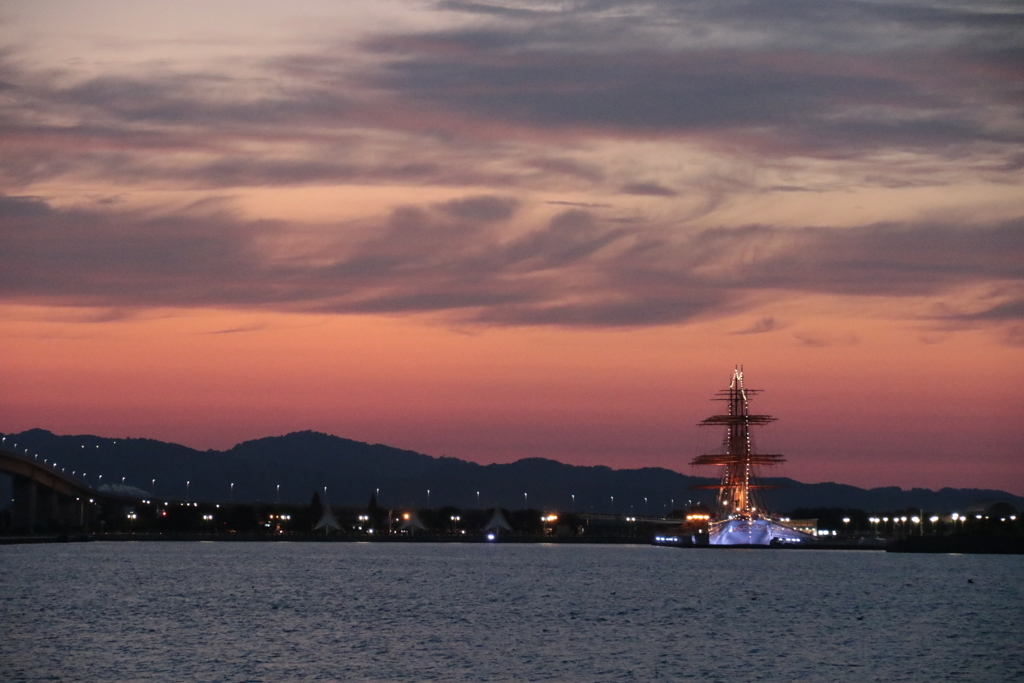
x=741, y=516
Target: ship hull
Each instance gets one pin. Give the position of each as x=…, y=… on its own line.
x=753, y=532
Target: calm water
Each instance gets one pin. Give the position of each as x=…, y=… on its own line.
x=411, y=612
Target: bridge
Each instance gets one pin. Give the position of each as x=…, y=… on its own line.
x=47, y=499
x=52, y=500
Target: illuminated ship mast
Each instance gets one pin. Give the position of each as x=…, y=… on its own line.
x=736, y=499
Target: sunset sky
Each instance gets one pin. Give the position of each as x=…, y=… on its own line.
x=496, y=230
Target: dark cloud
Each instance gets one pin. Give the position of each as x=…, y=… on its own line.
x=238, y=171
x=821, y=341
x=1007, y=311
x=820, y=104
x=1014, y=336
x=456, y=258
x=484, y=208
x=626, y=313
x=204, y=130
x=190, y=131
x=826, y=80
x=502, y=9
x=802, y=22
x=648, y=189
x=569, y=238
x=19, y=208
x=517, y=96
x=203, y=99
x=131, y=259
x=239, y=330
x=879, y=259
x=581, y=205
x=759, y=327
x=438, y=107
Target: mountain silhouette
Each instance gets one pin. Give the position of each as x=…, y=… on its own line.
x=291, y=467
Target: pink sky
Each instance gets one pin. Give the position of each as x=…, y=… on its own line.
x=503, y=230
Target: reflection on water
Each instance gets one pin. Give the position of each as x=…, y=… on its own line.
x=388, y=612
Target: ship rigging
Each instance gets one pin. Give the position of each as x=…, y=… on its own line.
x=742, y=518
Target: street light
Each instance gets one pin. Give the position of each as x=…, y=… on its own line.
x=573, y=502
x=613, y=504
x=278, y=494
x=846, y=525
x=477, y=500
x=428, y=499
x=187, y=484
x=526, y=505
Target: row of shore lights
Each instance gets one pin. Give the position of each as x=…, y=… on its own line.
x=955, y=517
x=903, y=520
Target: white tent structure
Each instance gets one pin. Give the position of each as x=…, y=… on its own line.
x=412, y=524
x=497, y=523
x=327, y=521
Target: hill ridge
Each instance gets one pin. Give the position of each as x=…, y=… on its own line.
x=291, y=467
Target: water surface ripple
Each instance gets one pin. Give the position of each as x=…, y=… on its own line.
x=462, y=612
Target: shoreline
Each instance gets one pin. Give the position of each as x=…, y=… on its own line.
x=942, y=545
x=395, y=538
